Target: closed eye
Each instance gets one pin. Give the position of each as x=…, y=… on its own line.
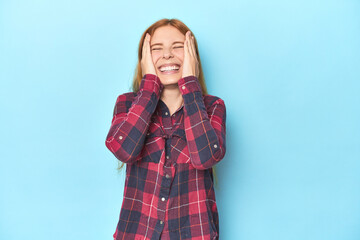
x=160, y=48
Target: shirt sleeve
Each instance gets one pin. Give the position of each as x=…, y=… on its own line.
x=129, y=127
x=204, y=128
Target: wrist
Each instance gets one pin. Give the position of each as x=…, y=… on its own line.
x=151, y=82
x=189, y=84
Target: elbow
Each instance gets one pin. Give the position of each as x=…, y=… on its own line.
x=206, y=160
x=119, y=152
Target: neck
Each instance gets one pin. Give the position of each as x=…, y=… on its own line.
x=172, y=97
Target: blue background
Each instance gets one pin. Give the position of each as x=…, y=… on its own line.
x=288, y=72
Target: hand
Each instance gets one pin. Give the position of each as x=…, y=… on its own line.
x=147, y=65
x=190, y=64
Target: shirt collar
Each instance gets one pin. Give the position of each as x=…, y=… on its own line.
x=162, y=108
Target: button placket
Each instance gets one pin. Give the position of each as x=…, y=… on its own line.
x=166, y=122
x=166, y=181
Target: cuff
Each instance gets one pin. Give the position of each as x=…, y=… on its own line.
x=189, y=84
x=151, y=83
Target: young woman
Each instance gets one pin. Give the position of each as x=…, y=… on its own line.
x=170, y=133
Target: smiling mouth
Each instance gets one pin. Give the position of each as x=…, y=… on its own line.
x=169, y=69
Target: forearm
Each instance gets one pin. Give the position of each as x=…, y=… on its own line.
x=205, y=132
x=128, y=129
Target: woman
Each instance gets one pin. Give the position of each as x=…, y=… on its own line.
x=170, y=133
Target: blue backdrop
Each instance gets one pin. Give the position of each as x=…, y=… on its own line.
x=288, y=72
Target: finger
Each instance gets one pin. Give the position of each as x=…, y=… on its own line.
x=144, y=45
x=193, y=53
x=193, y=46
x=193, y=38
x=145, y=40
x=148, y=44
x=148, y=47
x=188, y=44
x=185, y=45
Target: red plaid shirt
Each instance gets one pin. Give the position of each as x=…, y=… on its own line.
x=169, y=191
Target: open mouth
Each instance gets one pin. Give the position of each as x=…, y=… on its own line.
x=169, y=69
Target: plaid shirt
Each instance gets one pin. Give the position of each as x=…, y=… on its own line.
x=169, y=191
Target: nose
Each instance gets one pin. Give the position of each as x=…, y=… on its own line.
x=168, y=54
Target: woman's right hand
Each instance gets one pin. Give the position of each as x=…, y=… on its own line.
x=147, y=65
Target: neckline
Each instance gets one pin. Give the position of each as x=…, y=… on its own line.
x=162, y=107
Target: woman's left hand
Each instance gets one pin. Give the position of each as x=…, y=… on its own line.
x=191, y=63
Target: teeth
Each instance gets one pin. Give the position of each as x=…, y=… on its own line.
x=169, y=68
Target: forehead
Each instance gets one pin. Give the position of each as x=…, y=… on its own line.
x=167, y=34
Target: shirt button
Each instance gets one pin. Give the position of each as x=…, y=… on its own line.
x=120, y=137
x=166, y=113
x=167, y=157
x=215, y=146
x=161, y=222
x=167, y=176
x=163, y=199
x=183, y=87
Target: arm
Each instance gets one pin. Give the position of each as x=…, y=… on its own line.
x=128, y=128
x=205, y=133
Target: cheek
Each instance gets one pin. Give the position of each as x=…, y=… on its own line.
x=180, y=55
x=155, y=56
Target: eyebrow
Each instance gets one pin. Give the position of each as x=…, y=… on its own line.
x=162, y=44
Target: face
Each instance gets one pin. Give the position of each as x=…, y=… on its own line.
x=167, y=48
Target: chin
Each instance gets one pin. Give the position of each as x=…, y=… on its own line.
x=169, y=79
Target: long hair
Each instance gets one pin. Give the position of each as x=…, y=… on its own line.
x=138, y=71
